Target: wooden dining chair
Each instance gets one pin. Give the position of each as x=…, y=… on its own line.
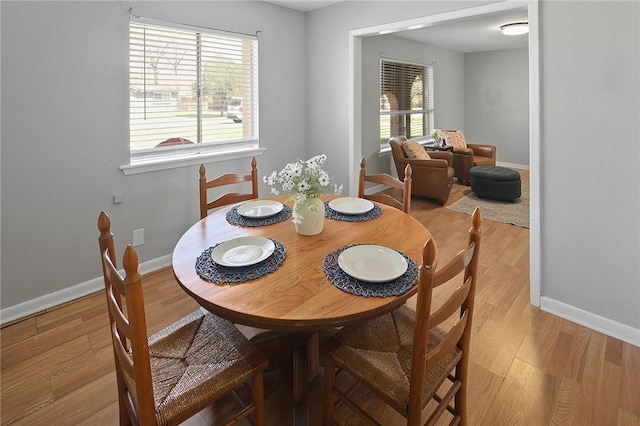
x=387, y=180
x=179, y=371
x=227, y=179
x=408, y=358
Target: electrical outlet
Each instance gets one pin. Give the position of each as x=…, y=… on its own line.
x=138, y=237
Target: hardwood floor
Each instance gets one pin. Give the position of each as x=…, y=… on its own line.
x=527, y=367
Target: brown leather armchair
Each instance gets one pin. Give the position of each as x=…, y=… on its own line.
x=430, y=178
x=466, y=158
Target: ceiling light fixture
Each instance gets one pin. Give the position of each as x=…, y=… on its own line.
x=515, y=28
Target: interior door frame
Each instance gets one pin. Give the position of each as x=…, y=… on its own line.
x=355, y=111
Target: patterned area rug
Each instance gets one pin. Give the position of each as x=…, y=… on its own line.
x=516, y=213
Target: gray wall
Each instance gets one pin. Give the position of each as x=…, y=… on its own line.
x=589, y=87
x=65, y=134
x=590, y=207
x=448, y=79
x=496, y=102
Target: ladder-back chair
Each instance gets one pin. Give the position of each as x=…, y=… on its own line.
x=179, y=371
x=387, y=180
x=408, y=358
x=227, y=179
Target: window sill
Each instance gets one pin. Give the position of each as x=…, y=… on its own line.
x=188, y=159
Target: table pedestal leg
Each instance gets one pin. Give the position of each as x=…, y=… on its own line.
x=304, y=366
x=297, y=357
x=300, y=381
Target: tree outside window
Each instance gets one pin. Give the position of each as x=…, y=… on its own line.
x=406, y=108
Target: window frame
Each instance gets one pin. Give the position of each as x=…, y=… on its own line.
x=160, y=158
x=428, y=110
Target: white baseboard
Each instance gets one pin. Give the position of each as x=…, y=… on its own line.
x=42, y=303
x=595, y=322
x=375, y=189
x=513, y=165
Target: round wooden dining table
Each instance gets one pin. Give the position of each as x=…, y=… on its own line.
x=297, y=301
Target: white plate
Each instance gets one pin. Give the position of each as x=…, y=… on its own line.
x=243, y=251
x=371, y=263
x=351, y=205
x=260, y=208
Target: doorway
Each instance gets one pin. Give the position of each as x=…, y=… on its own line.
x=355, y=109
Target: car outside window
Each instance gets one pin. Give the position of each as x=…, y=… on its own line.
x=234, y=110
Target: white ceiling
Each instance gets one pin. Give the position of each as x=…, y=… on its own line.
x=475, y=34
x=302, y=5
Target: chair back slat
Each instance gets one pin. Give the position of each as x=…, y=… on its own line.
x=229, y=198
x=126, y=363
x=116, y=287
x=385, y=199
x=120, y=321
x=454, y=266
x=115, y=292
x=226, y=179
x=386, y=180
x=451, y=340
x=451, y=304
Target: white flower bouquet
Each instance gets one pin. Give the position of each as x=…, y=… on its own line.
x=303, y=180
x=439, y=138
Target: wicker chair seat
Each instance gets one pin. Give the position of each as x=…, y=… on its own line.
x=378, y=353
x=193, y=358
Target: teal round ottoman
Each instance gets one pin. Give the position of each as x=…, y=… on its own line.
x=495, y=182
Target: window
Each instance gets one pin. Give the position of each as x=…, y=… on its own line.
x=182, y=81
x=406, y=100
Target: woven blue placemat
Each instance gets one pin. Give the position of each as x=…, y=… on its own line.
x=346, y=282
x=210, y=271
x=371, y=214
x=235, y=218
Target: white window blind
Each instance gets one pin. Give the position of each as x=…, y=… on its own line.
x=182, y=80
x=406, y=100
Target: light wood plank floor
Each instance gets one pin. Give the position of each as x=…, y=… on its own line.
x=527, y=367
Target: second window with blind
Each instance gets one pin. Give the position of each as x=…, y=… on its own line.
x=406, y=100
